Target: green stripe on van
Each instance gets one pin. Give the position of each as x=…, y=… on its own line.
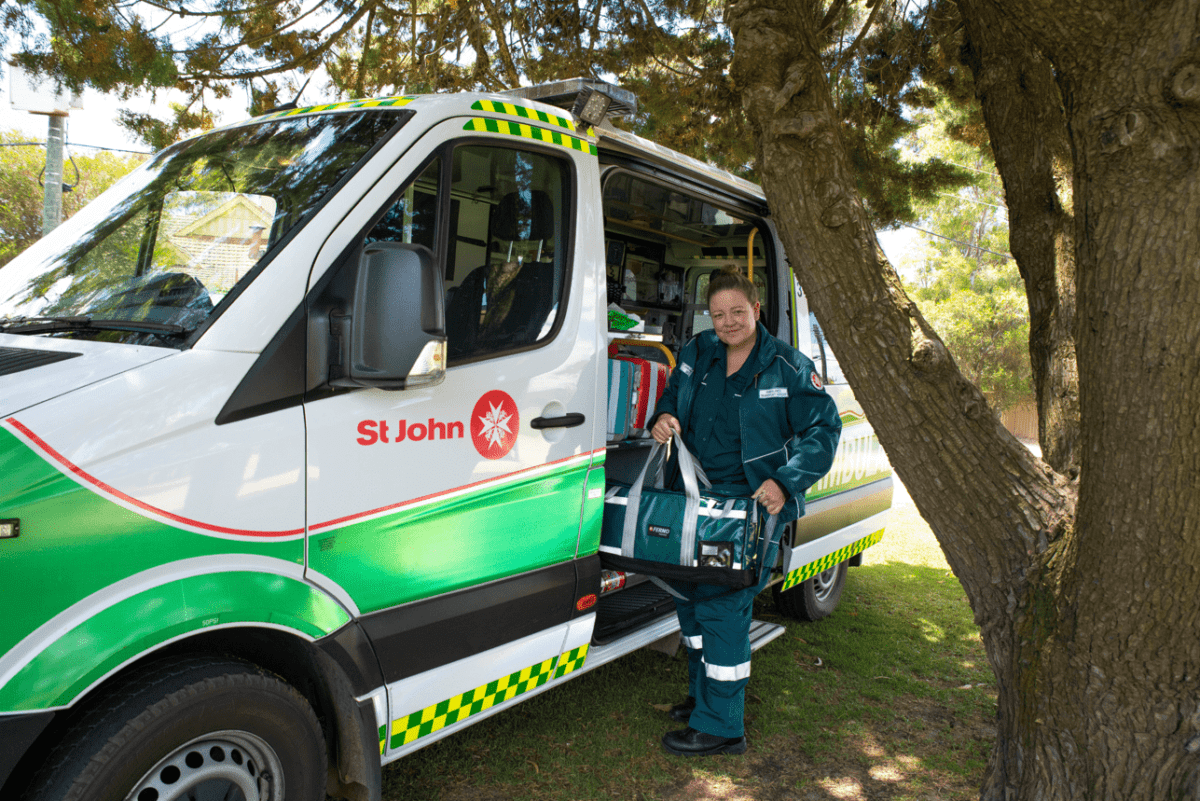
x=131, y=627
x=490, y=125
x=498, y=530
x=524, y=112
x=75, y=542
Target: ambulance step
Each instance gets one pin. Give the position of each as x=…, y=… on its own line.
x=631, y=640
x=762, y=632
x=621, y=612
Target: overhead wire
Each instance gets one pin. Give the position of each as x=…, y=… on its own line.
x=959, y=242
x=77, y=144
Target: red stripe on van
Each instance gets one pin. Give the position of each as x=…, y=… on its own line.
x=411, y=501
x=154, y=510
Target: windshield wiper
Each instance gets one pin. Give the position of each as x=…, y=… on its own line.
x=51, y=325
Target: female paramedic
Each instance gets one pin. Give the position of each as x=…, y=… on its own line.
x=752, y=410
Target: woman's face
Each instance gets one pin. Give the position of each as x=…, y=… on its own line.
x=733, y=317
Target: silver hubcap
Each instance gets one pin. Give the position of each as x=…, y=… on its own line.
x=822, y=584
x=222, y=766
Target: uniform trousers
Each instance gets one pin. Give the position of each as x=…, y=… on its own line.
x=715, y=624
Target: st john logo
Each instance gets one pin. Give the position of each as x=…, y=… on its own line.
x=494, y=424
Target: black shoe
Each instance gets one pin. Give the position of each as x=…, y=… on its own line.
x=681, y=713
x=690, y=742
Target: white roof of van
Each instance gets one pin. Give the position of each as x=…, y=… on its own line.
x=635, y=145
x=531, y=112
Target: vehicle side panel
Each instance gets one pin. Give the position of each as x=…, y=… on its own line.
x=129, y=475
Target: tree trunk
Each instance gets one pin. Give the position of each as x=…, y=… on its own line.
x=1126, y=666
x=1024, y=114
x=1087, y=610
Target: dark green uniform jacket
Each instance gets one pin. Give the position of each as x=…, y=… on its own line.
x=789, y=424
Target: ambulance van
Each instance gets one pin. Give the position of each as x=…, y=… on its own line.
x=304, y=439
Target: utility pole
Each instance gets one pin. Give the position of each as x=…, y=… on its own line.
x=56, y=138
x=38, y=95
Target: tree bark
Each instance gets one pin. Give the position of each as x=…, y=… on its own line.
x=1023, y=111
x=1087, y=607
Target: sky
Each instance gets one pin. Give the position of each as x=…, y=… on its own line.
x=96, y=123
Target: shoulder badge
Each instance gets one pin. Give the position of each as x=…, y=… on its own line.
x=816, y=380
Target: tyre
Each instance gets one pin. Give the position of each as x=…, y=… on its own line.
x=815, y=598
x=194, y=728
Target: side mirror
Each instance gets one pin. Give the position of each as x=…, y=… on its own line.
x=395, y=334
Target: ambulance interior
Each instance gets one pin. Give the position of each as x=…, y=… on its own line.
x=662, y=246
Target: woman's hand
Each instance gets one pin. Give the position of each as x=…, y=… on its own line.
x=771, y=496
x=664, y=427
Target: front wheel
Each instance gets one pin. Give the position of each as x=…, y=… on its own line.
x=815, y=598
x=201, y=729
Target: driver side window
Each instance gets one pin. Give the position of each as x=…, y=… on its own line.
x=507, y=254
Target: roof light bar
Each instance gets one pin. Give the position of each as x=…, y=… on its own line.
x=589, y=99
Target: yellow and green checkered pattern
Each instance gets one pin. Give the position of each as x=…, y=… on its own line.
x=488, y=125
x=440, y=715
x=570, y=661
x=524, y=112
x=824, y=563
x=375, y=102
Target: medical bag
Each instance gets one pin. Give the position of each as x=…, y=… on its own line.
x=695, y=535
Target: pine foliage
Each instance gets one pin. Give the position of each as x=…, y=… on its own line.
x=674, y=54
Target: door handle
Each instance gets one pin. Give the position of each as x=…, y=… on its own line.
x=568, y=420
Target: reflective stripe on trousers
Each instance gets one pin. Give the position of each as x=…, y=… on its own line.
x=715, y=624
x=726, y=673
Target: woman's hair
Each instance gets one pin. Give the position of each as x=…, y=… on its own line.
x=731, y=277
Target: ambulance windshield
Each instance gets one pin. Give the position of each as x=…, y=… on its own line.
x=151, y=259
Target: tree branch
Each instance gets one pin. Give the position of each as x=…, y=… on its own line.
x=362, y=61
x=513, y=76
x=1016, y=84
x=827, y=22
x=849, y=53
x=320, y=50
x=182, y=11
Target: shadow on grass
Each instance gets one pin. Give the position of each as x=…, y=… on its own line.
x=890, y=698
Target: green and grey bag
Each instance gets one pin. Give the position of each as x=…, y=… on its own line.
x=694, y=535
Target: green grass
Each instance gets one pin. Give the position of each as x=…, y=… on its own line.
x=890, y=698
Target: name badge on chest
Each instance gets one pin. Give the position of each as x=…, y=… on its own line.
x=774, y=392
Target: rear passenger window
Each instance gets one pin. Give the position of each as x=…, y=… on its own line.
x=822, y=355
x=507, y=251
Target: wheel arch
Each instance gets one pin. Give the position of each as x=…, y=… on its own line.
x=264, y=613
x=331, y=673
x=316, y=669
x=101, y=634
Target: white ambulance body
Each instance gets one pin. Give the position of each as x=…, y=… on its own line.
x=305, y=421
